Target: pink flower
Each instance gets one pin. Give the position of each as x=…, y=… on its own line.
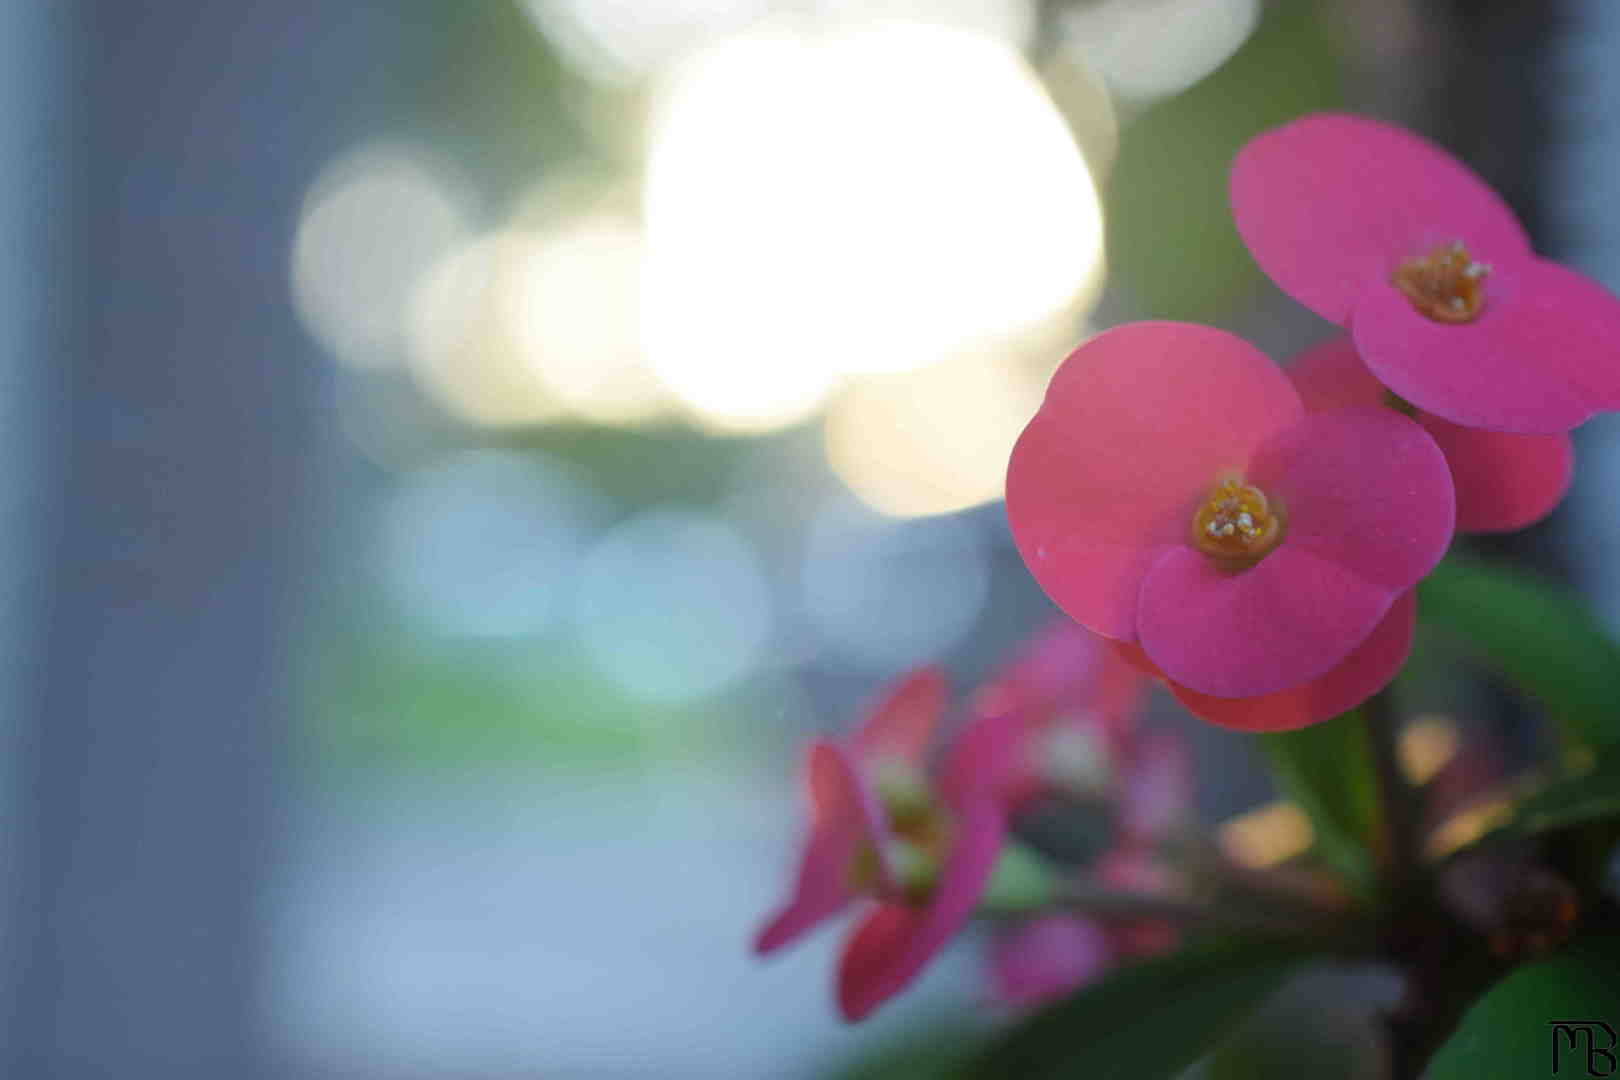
x=1172, y=492
x=1052, y=954
x=918, y=853
x=1048, y=956
x=1503, y=481
x=1136, y=868
x=1156, y=792
x=1075, y=703
x=1368, y=669
x=1380, y=231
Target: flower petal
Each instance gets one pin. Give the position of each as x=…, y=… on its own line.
x=872, y=954
x=1503, y=482
x=1365, y=488
x=1358, y=677
x=1048, y=956
x=902, y=722
x=1158, y=787
x=1329, y=375
x=844, y=819
x=983, y=761
x=895, y=942
x=1274, y=626
x=1135, y=427
x=1330, y=204
x=1540, y=358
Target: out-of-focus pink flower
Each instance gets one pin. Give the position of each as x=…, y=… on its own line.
x=920, y=851
x=1369, y=668
x=1053, y=954
x=1503, y=481
x=1172, y=492
x=1137, y=868
x=1075, y=703
x=1156, y=789
x=1047, y=957
x=1377, y=229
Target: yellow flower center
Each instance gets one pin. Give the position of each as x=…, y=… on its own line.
x=1237, y=525
x=919, y=835
x=1446, y=285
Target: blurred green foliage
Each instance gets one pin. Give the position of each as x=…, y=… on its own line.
x=1508, y=1033
x=1147, y=1021
x=1172, y=248
x=1539, y=634
x=1327, y=770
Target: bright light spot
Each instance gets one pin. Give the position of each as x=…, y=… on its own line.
x=1426, y=744
x=374, y=221
x=1082, y=96
x=863, y=200
x=573, y=305
x=1011, y=22
x=1266, y=836
x=1463, y=829
x=621, y=39
x=1149, y=49
x=484, y=545
x=930, y=441
x=892, y=594
x=673, y=606
x=462, y=351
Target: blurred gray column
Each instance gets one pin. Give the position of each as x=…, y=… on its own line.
x=1584, y=214
x=162, y=149
x=37, y=215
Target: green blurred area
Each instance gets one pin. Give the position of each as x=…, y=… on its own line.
x=1173, y=252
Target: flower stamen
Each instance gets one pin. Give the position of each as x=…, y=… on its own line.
x=1237, y=525
x=1446, y=285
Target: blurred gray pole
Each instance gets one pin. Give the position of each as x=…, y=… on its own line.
x=1585, y=227
x=37, y=214
x=178, y=428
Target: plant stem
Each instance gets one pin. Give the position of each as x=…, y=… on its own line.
x=1124, y=905
x=1411, y=1028
x=1398, y=817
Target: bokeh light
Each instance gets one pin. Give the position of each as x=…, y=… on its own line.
x=934, y=440
x=572, y=302
x=811, y=215
x=462, y=350
x=1150, y=49
x=624, y=39
x=1266, y=836
x=374, y=222
x=888, y=594
x=485, y=544
x=673, y=606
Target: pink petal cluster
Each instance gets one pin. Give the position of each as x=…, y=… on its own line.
x=1337, y=208
x=1074, y=702
x=1047, y=957
x=1105, y=483
x=1503, y=481
x=1054, y=953
x=856, y=827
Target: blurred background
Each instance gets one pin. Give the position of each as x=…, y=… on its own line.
x=453, y=455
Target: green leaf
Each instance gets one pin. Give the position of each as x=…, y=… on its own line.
x=1508, y=1033
x=1538, y=634
x=1592, y=796
x=1148, y=1020
x=1327, y=770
